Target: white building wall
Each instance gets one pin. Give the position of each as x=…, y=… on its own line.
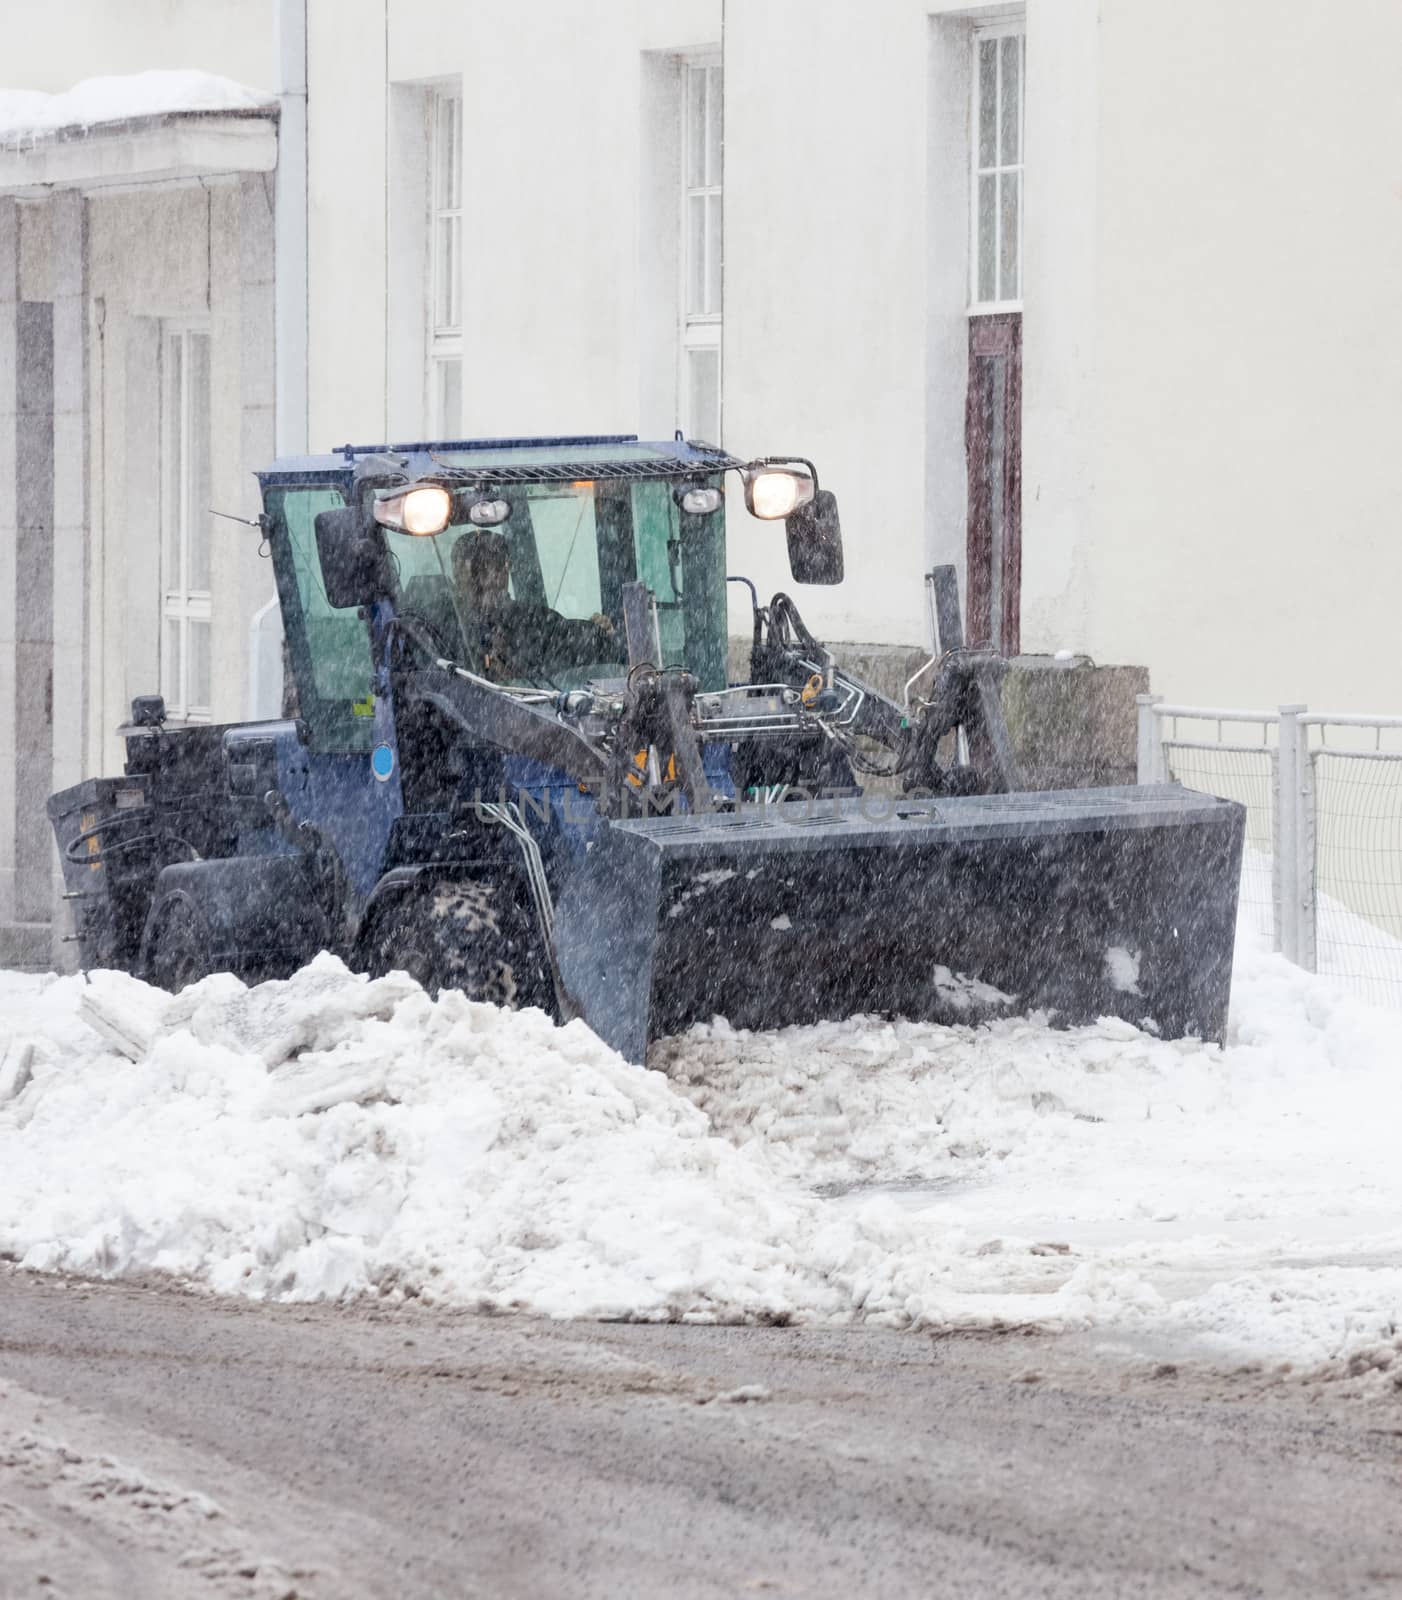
x=1208, y=190
x=825, y=289
x=107, y=272
x=52, y=46
x=1061, y=273
x=557, y=336
x=198, y=253
x=570, y=271
x=346, y=187
x=1244, y=537
x=846, y=257
x=108, y=265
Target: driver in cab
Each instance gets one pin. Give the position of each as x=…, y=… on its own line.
x=520, y=639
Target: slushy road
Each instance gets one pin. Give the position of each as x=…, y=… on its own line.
x=163, y=1444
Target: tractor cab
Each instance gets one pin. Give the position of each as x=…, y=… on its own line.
x=515, y=560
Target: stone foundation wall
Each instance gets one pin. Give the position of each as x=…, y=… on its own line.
x=1072, y=723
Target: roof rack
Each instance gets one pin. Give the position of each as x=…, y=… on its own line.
x=417, y=446
x=584, y=470
x=699, y=458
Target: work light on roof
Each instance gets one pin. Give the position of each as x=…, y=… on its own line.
x=488, y=513
x=773, y=493
x=697, y=500
x=425, y=510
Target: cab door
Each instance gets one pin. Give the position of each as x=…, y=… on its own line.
x=352, y=790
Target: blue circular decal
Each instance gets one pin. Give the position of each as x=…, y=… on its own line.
x=382, y=762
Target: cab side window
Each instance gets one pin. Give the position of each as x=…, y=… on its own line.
x=328, y=647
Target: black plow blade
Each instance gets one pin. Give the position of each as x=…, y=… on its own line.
x=1082, y=903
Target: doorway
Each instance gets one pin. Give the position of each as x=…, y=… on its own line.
x=993, y=447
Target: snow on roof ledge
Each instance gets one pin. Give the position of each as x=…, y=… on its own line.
x=148, y=127
x=28, y=116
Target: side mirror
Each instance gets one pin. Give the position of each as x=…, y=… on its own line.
x=350, y=561
x=815, y=540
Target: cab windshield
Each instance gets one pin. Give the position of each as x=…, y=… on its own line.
x=569, y=549
x=539, y=600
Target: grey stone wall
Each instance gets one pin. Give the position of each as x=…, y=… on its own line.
x=1072, y=723
x=26, y=605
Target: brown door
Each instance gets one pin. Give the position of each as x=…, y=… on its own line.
x=993, y=445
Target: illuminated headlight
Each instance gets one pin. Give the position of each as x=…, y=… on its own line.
x=699, y=502
x=420, y=511
x=488, y=513
x=774, y=493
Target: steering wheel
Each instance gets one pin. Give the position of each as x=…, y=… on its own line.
x=424, y=625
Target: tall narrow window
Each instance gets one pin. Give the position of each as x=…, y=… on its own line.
x=185, y=518
x=445, y=263
x=996, y=224
x=701, y=253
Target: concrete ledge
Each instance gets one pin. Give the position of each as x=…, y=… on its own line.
x=146, y=150
x=1072, y=723
x=26, y=946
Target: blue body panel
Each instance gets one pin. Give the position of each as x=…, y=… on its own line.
x=336, y=794
x=565, y=819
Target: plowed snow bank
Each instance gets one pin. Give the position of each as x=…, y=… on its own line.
x=331, y=1136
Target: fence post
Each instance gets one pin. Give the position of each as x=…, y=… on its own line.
x=1305, y=853
x=1286, y=869
x=1150, y=747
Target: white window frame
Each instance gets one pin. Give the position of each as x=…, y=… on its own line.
x=444, y=338
x=699, y=330
x=180, y=602
x=1004, y=28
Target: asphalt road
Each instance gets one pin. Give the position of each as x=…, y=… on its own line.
x=155, y=1443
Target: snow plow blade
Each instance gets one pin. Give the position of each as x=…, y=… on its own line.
x=1083, y=903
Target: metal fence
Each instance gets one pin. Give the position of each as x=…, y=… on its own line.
x=1323, y=796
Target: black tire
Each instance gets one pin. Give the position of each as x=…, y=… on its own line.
x=179, y=948
x=461, y=933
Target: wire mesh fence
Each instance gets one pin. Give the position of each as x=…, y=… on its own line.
x=1248, y=776
x=1322, y=871
x=1357, y=855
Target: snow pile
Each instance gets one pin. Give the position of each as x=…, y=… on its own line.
x=1248, y=1201
x=30, y=114
x=331, y=1136
x=327, y=1136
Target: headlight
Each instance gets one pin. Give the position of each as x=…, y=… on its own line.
x=698, y=501
x=420, y=511
x=488, y=513
x=774, y=493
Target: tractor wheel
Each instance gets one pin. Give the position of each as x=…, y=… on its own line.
x=180, y=949
x=462, y=933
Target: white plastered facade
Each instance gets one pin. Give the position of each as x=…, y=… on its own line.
x=845, y=266
x=1208, y=416
x=109, y=238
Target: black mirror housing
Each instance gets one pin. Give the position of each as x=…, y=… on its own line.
x=349, y=558
x=815, y=540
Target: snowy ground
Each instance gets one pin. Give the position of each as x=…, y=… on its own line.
x=330, y=1136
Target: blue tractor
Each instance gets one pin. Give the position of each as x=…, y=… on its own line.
x=512, y=762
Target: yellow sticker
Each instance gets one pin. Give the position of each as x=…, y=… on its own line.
x=94, y=841
x=363, y=708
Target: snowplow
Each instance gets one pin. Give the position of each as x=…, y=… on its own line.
x=513, y=761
